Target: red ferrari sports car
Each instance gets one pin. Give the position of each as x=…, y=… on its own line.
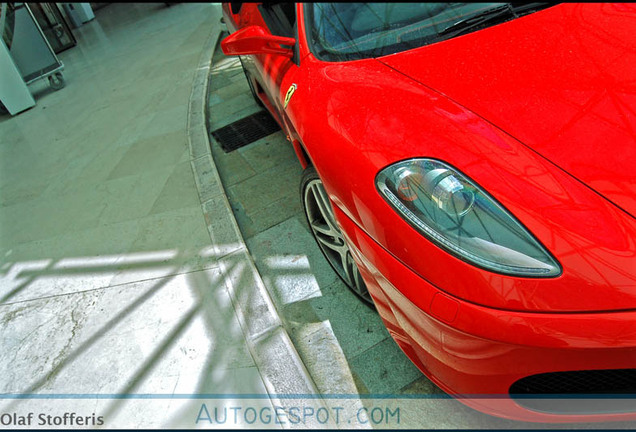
x=471, y=170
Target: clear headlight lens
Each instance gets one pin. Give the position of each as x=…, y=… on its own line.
x=457, y=215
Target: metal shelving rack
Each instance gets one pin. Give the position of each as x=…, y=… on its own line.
x=29, y=47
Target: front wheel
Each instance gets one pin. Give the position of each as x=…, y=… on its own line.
x=322, y=222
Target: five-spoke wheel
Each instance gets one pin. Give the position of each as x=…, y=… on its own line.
x=322, y=222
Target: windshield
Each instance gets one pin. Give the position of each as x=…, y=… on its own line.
x=350, y=31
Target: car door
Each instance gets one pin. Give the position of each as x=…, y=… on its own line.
x=271, y=70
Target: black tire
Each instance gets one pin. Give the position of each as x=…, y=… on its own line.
x=322, y=225
x=248, y=77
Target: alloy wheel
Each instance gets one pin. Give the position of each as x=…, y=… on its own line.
x=323, y=225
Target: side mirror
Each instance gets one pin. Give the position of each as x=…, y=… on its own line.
x=256, y=40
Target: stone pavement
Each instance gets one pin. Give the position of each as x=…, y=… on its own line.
x=125, y=287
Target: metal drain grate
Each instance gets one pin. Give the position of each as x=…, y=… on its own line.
x=245, y=131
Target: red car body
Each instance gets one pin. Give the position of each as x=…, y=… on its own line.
x=540, y=112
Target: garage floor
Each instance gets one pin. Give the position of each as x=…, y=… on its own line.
x=262, y=181
x=109, y=282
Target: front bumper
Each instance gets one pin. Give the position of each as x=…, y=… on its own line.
x=477, y=353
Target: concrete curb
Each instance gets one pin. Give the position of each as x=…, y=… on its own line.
x=278, y=362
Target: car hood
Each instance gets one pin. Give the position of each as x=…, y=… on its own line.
x=561, y=81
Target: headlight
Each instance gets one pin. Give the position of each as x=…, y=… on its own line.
x=456, y=214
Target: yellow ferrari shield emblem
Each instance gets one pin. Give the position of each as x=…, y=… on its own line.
x=290, y=93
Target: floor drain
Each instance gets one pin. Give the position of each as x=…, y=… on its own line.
x=245, y=131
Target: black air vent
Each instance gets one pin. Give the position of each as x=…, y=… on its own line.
x=578, y=392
